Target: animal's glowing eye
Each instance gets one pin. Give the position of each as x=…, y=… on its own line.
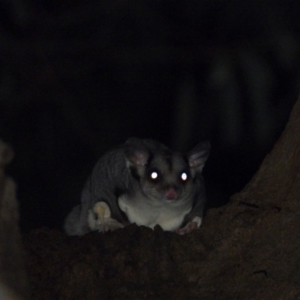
x=183, y=176
x=154, y=175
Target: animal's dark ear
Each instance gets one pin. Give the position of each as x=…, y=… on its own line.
x=136, y=152
x=198, y=156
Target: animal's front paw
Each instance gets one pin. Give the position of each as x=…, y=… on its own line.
x=187, y=228
x=99, y=218
x=194, y=224
x=110, y=225
x=102, y=210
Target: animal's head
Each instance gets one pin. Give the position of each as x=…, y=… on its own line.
x=163, y=174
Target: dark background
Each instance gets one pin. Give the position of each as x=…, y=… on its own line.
x=79, y=77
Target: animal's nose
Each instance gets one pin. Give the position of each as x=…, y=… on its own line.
x=170, y=193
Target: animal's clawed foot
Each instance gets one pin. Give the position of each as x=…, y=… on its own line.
x=99, y=219
x=110, y=225
x=187, y=228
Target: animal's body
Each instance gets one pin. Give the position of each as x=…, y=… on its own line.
x=146, y=183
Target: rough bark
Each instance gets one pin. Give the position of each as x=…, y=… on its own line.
x=248, y=249
x=278, y=179
x=13, y=281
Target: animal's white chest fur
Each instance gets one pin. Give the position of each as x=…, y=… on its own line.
x=169, y=215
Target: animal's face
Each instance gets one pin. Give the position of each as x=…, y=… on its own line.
x=162, y=174
x=167, y=177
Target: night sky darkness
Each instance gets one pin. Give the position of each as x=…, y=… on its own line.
x=78, y=78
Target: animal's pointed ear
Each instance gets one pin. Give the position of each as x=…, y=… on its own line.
x=198, y=156
x=136, y=152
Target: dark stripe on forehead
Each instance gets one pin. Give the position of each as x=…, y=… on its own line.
x=134, y=173
x=167, y=157
x=150, y=159
x=180, y=162
x=185, y=159
x=161, y=160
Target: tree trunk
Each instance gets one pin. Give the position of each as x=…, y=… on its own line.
x=13, y=281
x=248, y=249
x=277, y=182
x=256, y=237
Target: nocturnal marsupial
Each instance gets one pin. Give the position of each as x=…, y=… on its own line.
x=143, y=182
